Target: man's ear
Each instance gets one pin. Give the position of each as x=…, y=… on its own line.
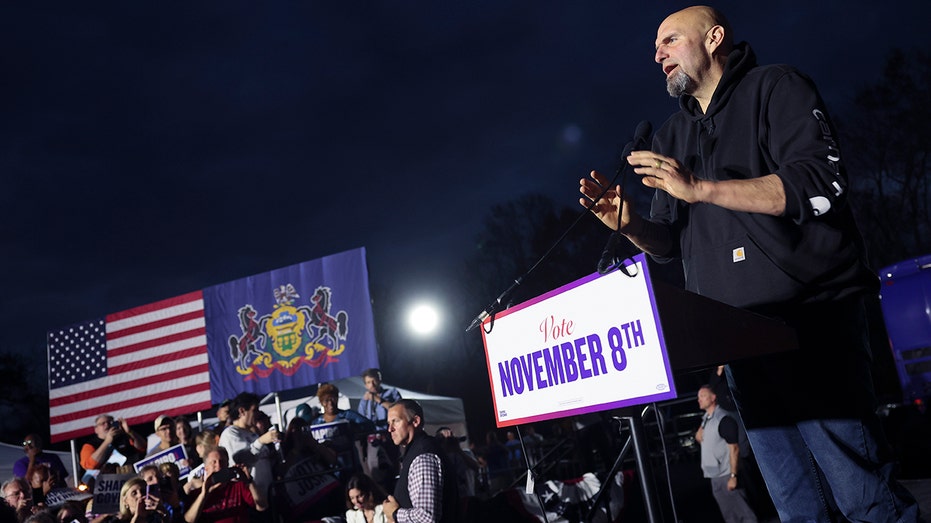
x=714, y=38
x=417, y=421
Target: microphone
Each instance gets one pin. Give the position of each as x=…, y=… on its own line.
x=609, y=260
x=494, y=306
x=641, y=134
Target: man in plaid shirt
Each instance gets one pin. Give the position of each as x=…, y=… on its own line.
x=426, y=490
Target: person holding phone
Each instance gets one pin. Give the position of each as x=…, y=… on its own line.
x=248, y=448
x=35, y=454
x=114, y=441
x=137, y=505
x=228, y=493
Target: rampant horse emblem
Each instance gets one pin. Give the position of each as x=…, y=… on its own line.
x=333, y=327
x=295, y=334
x=241, y=347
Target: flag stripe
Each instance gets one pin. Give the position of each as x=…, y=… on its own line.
x=78, y=428
x=134, y=389
x=171, y=348
x=131, y=328
x=157, y=361
x=130, y=401
x=122, y=344
x=160, y=309
x=134, y=383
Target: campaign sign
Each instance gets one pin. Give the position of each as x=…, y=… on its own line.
x=107, y=492
x=307, y=483
x=338, y=436
x=176, y=455
x=591, y=345
x=59, y=496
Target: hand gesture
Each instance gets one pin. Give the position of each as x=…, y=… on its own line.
x=270, y=436
x=389, y=507
x=606, y=208
x=244, y=474
x=666, y=174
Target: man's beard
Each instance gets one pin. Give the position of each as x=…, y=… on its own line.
x=679, y=84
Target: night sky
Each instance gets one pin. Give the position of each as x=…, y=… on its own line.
x=148, y=149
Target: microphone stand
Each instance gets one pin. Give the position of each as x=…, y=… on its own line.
x=643, y=130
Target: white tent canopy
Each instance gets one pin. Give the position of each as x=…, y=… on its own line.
x=438, y=411
x=10, y=453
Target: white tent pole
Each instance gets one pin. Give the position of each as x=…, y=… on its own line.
x=200, y=421
x=74, y=463
x=278, y=408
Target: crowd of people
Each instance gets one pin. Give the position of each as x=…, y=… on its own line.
x=328, y=464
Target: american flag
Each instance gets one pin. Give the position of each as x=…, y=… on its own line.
x=134, y=364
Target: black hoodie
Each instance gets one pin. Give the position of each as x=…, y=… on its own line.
x=763, y=120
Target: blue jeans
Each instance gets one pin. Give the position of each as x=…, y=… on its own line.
x=820, y=467
x=810, y=418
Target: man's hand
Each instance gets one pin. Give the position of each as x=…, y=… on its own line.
x=606, y=209
x=112, y=433
x=48, y=483
x=269, y=437
x=667, y=174
x=732, y=483
x=244, y=474
x=389, y=507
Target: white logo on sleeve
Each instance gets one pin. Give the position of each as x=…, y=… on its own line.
x=739, y=254
x=819, y=205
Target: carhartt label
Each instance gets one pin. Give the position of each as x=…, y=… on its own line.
x=739, y=254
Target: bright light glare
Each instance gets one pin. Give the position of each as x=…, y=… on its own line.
x=423, y=319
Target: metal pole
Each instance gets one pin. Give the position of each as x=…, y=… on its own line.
x=74, y=464
x=643, y=467
x=278, y=408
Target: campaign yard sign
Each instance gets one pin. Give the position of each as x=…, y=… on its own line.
x=107, y=492
x=177, y=455
x=591, y=345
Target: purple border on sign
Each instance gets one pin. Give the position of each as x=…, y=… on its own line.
x=660, y=396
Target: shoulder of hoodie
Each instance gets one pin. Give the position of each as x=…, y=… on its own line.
x=772, y=73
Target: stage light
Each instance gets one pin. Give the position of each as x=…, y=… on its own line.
x=423, y=319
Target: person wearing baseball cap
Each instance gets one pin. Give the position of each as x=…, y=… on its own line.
x=165, y=430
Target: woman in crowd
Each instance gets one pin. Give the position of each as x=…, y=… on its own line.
x=136, y=505
x=363, y=500
x=42, y=479
x=328, y=395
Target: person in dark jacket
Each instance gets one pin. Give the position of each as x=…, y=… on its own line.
x=426, y=490
x=751, y=195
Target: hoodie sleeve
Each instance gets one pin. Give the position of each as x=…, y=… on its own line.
x=803, y=143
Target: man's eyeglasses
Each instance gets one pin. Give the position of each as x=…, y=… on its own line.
x=27, y=443
x=15, y=494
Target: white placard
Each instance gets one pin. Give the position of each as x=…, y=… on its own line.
x=591, y=345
